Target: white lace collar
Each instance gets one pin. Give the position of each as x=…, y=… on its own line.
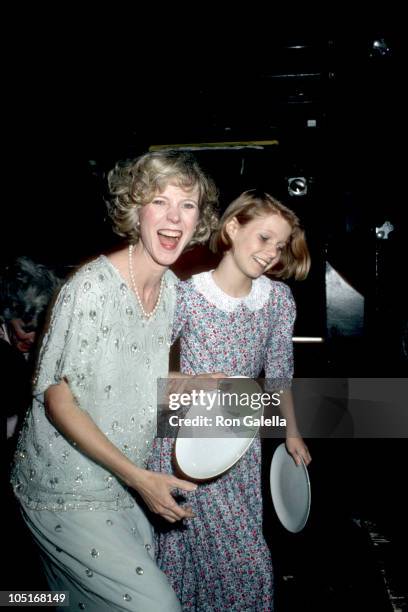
x=255, y=300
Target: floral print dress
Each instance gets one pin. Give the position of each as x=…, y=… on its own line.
x=219, y=560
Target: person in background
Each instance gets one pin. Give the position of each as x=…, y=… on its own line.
x=26, y=290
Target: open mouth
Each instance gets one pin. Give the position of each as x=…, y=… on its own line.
x=169, y=239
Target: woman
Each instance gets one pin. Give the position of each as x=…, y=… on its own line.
x=236, y=320
x=85, y=442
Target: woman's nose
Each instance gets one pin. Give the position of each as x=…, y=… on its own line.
x=173, y=214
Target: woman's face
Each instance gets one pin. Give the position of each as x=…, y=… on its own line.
x=257, y=245
x=167, y=223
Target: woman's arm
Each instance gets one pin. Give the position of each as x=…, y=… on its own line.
x=78, y=427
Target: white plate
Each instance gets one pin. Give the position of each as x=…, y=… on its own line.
x=204, y=458
x=290, y=489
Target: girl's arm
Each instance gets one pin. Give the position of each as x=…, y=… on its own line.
x=294, y=441
x=279, y=365
x=180, y=319
x=78, y=427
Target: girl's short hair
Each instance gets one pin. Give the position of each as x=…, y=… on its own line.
x=134, y=183
x=295, y=257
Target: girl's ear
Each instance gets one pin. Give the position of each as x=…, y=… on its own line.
x=232, y=227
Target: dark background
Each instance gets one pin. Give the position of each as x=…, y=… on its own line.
x=79, y=105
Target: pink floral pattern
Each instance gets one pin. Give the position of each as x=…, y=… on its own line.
x=219, y=560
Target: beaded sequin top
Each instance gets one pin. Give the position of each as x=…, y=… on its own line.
x=111, y=357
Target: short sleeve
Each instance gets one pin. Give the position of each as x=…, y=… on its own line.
x=181, y=310
x=279, y=353
x=70, y=346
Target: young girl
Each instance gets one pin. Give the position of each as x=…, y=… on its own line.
x=234, y=320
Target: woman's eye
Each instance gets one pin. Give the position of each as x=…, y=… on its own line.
x=189, y=205
x=158, y=201
x=264, y=238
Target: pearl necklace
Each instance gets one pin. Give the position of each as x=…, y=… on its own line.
x=147, y=315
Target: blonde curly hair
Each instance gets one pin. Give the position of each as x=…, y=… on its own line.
x=133, y=184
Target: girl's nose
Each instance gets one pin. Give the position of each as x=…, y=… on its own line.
x=272, y=251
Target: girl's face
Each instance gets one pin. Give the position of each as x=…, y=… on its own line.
x=167, y=223
x=257, y=246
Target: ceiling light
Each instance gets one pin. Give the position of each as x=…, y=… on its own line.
x=297, y=186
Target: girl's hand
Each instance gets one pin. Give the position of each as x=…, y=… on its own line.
x=207, y=381
x=156, y=487
x=297, y=448
x=186, y=383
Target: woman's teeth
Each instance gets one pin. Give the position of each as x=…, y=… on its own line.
x=169, y=234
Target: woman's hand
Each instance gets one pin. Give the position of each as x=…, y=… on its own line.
x=155, y=488
x=297, y=448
